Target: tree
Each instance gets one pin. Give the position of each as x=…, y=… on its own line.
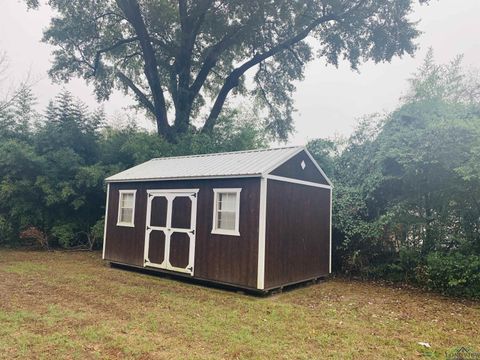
x=182, y=59
x=407, y=185
x=52, y=167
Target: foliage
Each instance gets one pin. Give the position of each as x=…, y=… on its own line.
x=408, y=185
x=53, y=166
x=454, y=273
x=185, y=58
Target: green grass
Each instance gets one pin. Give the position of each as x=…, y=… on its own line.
x=72, y=306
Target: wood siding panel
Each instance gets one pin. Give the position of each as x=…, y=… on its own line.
x=222, y=258
x=293, y=169
x=297, y=244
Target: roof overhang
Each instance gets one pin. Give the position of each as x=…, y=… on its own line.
x=185, y=178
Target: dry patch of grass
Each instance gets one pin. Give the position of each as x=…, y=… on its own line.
x=71, y=305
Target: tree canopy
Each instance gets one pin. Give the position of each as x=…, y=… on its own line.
x=407, y=186
x=182, y=59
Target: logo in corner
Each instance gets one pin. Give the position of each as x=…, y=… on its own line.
x=462, y=353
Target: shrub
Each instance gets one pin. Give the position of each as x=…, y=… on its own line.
x=454, y=273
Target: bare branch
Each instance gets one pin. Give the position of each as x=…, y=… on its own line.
x=110, y=48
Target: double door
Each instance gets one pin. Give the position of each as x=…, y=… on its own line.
x=170, y=230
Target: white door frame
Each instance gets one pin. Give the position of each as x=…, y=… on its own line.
x=170, y=195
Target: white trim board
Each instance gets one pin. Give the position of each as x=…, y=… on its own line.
x=262, y=228
x=330, y=257
x=181, y=191
x=318, y=167
x=105, y=222
x=297, y=181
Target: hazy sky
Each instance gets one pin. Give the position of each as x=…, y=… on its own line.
x=329, y=100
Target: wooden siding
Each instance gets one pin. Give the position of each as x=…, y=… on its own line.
x=297, y=243
x=222, y=258
x=292, y=169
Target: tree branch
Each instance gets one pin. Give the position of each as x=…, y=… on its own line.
x=211, y=60
x=142, y=98
x=110, y=48
x=132, y=12
x=232, y=80
x=190, y=27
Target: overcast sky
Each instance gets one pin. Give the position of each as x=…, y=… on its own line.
x=329, y=100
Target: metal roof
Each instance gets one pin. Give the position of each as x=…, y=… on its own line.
x=229, y=164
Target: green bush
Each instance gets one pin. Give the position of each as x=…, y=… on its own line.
x=401, y=266
x=53, y=166
x=454, y=273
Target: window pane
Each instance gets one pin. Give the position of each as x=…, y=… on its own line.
x=227, y=201
x=127, y=200
x=126, y=215
x=226, y=220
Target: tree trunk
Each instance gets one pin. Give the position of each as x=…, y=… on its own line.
x=429, y=241
x=132, y=12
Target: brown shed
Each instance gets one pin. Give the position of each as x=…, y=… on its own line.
x=257, y=219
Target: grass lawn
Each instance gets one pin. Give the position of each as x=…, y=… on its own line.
x=71, y=305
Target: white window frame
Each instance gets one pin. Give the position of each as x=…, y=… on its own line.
x=120, y=194
x=216, y=230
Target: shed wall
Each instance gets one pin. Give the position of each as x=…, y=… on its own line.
x=222, y=258
x=297, y=241
x=292, y=169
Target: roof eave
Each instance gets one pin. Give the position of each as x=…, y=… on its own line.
x=239, y=176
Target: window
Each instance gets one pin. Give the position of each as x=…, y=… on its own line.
x=226, y=211
x=126, y=208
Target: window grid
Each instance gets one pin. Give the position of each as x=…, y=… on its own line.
x=126, y=208
x=226, y=211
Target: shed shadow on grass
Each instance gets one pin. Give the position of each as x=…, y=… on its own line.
x=165, y=274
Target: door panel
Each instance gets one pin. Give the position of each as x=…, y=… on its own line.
x=181, y=212
x=179, y=249
x=156, y=250
x=159, y=211
x=170, y=230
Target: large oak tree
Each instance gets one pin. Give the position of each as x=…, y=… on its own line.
x=181, y=59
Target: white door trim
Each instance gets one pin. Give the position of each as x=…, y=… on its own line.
x=170, y=195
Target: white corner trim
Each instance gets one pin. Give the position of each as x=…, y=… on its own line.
x=120, y=193
x=215, y=230
x=318, y=167
x=105, y=222
x=262, y=223
x=297, y=181
x=330, y=257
